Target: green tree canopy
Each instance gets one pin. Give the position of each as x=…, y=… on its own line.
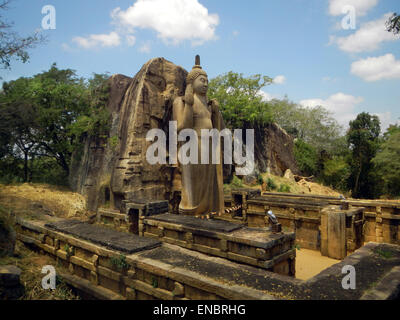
x=387, y=161
x=363, y=141
x=241, y=103
x=315, y=126
x=48, y=114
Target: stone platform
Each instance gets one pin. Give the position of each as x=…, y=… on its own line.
x=127, y=243
x=169, y=272
x=198, y=224
x=253, y=246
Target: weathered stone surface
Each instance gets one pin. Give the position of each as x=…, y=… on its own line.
x=192, y=222
x=120, y=170
x=289, y=175
x=128, y=243
x=9, y=275
x=388, y=287
x=274, y=153
x=10, y=286
x=7, y=238
x=92, y=166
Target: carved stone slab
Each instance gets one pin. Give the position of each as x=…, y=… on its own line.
x=127, y=243
x=196, y=223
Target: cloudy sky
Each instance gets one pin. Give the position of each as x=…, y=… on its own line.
x=334, y=53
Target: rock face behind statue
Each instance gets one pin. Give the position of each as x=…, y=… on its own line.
x=116, y=169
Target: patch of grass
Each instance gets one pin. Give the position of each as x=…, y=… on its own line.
x=31, y=265
x=297, y=247
x=120, y=262
x=236, y=182
x=154, y=282
x=69, y=250
x=271, y=185
x=284, y=188
x=386, y=254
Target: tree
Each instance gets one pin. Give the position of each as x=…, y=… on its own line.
x=336, y=172
x=11, y=44
x=315, y=126
x=241, y=103
x=49, y=113
x=387, y=161
x=306, y=157
x=393, y=24
x=363, y=141
x=18, y=120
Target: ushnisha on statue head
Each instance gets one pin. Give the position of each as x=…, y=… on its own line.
x=196, y=71
x=196, y=82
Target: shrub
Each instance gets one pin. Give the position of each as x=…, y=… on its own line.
x=336, y=173
x=271, y=184
x=284, y=188
x=306, y=157
x=237, y=182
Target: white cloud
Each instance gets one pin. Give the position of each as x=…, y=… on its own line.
x=94, y=40
x=367, y=38
x=130, y=40
x=386, y=119
x=341, y=105
x=173, y=20
x=377, y=68
x=279, y=79
x=361, y=6
x=145, y=48
x=266, y=96
x=66, y=47
x=329, y=79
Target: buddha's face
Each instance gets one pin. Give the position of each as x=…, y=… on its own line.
x=200, y=85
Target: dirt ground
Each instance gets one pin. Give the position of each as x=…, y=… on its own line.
x=26, y=199
x=310, y=262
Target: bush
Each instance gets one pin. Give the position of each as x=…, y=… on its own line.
x=237, y=182
x=271, y=184
x=336, y=173
x=284, y=188
x=260, y=179
x=306, y=157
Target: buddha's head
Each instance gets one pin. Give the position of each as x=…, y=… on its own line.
x=198, y=78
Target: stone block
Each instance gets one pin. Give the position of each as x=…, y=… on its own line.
x=94, y=278
x=130, y=294
x=179, y=290
x=9, y=276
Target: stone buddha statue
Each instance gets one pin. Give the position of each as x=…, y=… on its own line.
x=202, y=184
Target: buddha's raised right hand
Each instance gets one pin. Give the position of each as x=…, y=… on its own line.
x=189, y=95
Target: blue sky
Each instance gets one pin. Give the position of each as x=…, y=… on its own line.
x=300, y=43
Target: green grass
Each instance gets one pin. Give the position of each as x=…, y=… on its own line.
x=119, y=262
x=386, y=254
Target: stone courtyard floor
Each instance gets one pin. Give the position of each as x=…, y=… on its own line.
x=310, y=262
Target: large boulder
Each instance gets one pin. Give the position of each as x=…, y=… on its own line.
x=274, y=151
x=116, y=169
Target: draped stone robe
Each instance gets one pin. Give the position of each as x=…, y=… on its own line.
x=202, y=184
